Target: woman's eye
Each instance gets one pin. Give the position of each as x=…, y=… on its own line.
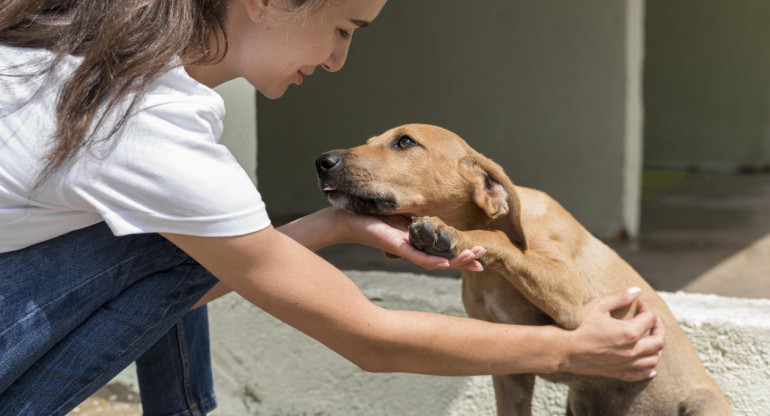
x=405, y=141
x=345, y=34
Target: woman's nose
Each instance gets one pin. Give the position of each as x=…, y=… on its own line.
x=337, y=58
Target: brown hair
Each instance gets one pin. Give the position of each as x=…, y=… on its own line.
x=125, y=45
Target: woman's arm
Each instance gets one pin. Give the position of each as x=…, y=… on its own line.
x=329, y=226
x=284, y=278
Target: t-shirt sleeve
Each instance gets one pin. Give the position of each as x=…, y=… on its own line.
x=166, y=172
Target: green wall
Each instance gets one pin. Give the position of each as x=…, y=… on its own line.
x=707, y=84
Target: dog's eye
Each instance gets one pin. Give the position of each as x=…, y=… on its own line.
x=405, y=141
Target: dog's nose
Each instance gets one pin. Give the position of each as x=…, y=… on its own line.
x=328, y=162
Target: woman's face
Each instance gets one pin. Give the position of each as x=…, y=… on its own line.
x=275, y=45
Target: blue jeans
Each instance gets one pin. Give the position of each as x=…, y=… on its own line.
x=77, y=309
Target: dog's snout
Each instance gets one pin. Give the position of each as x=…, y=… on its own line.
x=328, y=162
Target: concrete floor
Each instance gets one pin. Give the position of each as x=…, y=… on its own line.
x=114, y=399
x=709, y=234
x=702, y=233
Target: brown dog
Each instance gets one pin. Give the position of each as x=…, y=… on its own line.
x=541, y=265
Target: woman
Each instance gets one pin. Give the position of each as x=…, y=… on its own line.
x=118, y=208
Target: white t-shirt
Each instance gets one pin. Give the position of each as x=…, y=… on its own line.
x=163, y=171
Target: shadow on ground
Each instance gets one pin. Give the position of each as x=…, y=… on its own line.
x=707, y=233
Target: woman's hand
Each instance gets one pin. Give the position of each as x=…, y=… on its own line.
x=605, y=346
x=391, y=234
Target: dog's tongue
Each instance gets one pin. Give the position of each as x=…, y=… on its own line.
x=329, y=188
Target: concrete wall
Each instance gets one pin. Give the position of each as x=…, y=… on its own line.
x=707, y=84
x=550, y=89
x=264, y=367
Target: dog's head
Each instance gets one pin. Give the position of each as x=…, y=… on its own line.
x=421, y=170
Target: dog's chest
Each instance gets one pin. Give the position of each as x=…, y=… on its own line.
x=492, y=298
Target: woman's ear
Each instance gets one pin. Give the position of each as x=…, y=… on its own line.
x=256, y=9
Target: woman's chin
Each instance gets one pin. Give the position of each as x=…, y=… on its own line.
x=273, y=92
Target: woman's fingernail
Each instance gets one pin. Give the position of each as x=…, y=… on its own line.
x=481, y=252
x=634, y=290
x=443, y=264
x=653, y=373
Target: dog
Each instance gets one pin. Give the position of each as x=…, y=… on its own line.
x=540, y=268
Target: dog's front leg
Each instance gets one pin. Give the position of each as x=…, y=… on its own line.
x=544, y=280
x=513, y=394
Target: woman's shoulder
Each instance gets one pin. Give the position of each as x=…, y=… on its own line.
x=21, y=68
x=175, y=86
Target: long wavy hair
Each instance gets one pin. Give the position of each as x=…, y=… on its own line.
x=125, y=45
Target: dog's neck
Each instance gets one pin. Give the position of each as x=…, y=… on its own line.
x=465, y=217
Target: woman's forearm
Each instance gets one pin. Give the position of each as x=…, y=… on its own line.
x=419, y=342
x=314, y=231
x=276, y=273
x=282, y=278
x=426, y=343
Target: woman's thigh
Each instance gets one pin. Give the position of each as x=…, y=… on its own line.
x=90, y=299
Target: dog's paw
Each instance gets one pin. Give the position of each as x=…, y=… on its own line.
x=432, y=236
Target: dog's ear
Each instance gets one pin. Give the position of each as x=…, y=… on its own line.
x=494, y=193
x=488, y=193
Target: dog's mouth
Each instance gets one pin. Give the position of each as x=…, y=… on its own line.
x=359, y=202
